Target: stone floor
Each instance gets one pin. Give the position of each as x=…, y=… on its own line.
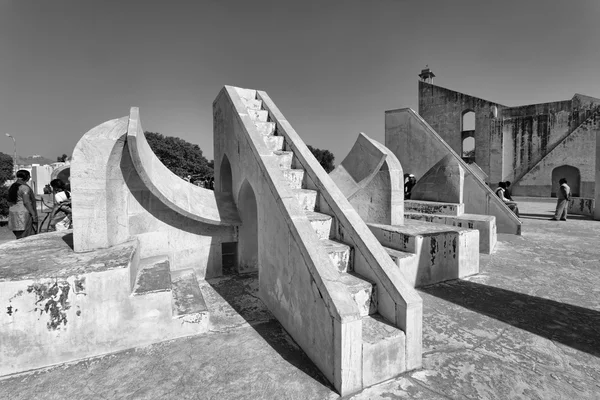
x=526, y=327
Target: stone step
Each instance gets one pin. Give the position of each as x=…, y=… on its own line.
x=274, y=143
x=265, y=128
x=307, y=198
x=285, y=158
x=485, y=224
x=339, y=253
x=442, y=252
x=187, y=301
x=258, y=115
x=434, y=207
x=321, y=223
x=294, y=177
x=401, y=258
x=153, y=276
x=362, y=291
x=252, y=104
x=382, y=350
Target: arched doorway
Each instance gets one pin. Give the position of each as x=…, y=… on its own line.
x=571, y=174
x=225, y=179
x=248, y=231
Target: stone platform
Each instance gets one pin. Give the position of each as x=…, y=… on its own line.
x=63, y=306
x=526, y=327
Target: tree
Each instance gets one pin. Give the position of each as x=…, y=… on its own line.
x=180, y=157
x=6, y=168
x=6, y=173
x=62, y=158
x=324, y=157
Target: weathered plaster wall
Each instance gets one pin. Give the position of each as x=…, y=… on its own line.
x=576, y=150
x=581, y=206
x=77, y=305
x=443, y=252
x=545, y=136
x=509, y=146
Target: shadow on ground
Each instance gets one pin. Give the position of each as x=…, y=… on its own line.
x=551, y=215
x=241, y=293
x=573, y=326
x=68, y=239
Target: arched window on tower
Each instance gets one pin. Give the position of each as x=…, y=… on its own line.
x=468, y=136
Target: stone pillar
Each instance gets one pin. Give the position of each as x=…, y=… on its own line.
x=597, y=186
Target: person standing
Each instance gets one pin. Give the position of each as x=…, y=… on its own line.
x=409, y=182
x=562, y=203
x=22, y=214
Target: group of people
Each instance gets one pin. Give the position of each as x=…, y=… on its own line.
x=206, y=183
x=562, y=205
x=23, y=217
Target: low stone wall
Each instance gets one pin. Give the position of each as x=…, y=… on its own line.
x=434, y=207
x=485, y=224
x=582, y=206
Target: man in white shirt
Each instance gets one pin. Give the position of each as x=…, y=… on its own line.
x=562, y=203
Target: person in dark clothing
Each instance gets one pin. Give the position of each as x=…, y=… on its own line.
x=500, y=190
x=409, y=182
x=507, y=191
x=22, y=212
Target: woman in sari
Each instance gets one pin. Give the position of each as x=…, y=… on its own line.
x=22, y=214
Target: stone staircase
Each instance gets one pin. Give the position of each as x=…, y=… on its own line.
x=382, y=343
x=154, y=277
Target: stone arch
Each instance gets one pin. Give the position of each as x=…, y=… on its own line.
x=467, y=120
x=571, y=174
x=467, y=136
x=248, y=231
x=225, y=176
x=63, y=173
x=468, y=148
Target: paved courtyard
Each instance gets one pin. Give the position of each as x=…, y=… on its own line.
x=526, y=327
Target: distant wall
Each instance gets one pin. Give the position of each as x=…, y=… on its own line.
x=511, y=145
x=40, y=177
x=443, y=110
x=576, y=150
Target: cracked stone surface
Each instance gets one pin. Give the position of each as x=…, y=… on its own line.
x=526, y=327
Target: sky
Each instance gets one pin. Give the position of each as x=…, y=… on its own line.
x=332, y=67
